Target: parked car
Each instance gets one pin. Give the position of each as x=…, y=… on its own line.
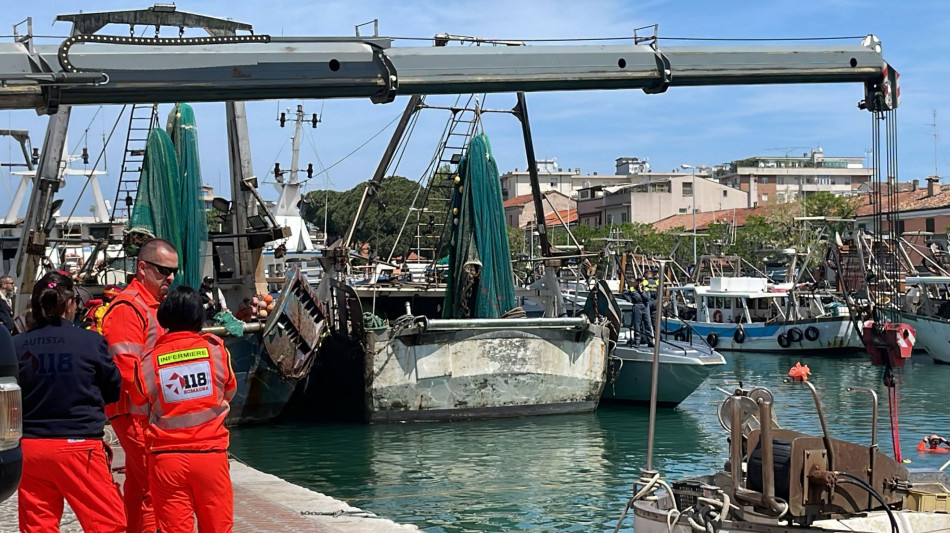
x=11, y=418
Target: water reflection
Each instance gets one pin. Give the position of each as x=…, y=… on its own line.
x=574, y=472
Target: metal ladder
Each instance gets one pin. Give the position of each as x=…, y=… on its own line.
x=432, y=219
x=143, y=118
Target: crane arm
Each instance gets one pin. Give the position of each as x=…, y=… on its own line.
x=105, y=69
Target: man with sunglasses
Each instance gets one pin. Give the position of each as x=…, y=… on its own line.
x=131, y=329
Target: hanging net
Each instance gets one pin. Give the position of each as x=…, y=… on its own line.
x=155, y=213
x=480, y=283
x=183, y=131
x=168, y=203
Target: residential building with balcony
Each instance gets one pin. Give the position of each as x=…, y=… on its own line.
x=787, y=178
x=653, y=196
x=566, y=181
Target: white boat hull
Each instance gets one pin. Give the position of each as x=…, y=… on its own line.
x=834, y=335
x=933, y=335
x=470, y=372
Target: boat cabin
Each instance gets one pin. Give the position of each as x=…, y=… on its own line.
x=734, y=300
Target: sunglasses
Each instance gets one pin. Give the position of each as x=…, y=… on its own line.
x=163, y=270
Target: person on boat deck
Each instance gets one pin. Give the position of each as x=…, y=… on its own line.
x=131, y=328
x=645, y=327
x=212, y=297
x=67, y=376
x=639, y=334
x=185, y=382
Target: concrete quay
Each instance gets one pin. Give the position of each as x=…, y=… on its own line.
x=262, y=503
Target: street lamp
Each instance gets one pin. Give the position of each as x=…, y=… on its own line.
x=692, y=171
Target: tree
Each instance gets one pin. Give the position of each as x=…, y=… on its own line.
x=381, y=222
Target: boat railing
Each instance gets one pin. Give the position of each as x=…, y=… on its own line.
x=684, y=333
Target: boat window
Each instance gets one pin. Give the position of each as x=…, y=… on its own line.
x=763, y=303
x=727, y=303
x=627, y=320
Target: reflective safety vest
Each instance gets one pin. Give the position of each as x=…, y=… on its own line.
x=126, y=352
x=187, y=381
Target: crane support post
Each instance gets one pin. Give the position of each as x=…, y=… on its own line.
x=258, y=67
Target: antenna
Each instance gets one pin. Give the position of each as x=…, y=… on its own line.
x=935, y=136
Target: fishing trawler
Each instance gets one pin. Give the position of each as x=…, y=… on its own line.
x=452, y=344
x=745, y=314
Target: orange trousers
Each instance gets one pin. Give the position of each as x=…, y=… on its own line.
x=77, y=470
x=138, y=503
x=186, y=485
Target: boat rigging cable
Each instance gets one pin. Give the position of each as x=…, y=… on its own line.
x=884, y=277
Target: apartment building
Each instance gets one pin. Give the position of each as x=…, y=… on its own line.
x=786, y=178
x=551, y=177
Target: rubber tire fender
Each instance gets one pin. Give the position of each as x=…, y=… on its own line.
x=783, y=340
x=812, y=333
x=795, y=335
x=679, y=336
x=712, y=340
x=739, y=336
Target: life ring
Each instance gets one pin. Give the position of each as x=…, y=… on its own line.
x=783, y=340
x=712, y=340
x=717, y=316
x=795, y=335
x=812, y=333
x=739, y=336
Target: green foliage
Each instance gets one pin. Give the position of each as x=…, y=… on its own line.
x=381, y=222
x=825, y=204
x=761, y=235
x=215, y=219
x=517, y=242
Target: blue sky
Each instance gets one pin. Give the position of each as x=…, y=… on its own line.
x=589, y=130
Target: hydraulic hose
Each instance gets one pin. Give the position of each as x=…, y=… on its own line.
x=855, y=480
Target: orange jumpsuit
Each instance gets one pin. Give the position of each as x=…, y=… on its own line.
x=186, y=382
x=131, y=328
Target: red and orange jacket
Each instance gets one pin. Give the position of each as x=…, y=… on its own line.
x=131, y=328
x=186, y=382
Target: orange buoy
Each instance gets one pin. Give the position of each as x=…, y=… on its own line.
x=799, y=372
x=268, y=298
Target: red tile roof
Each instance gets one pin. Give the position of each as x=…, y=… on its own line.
x=910, y=200
x=569, y=216
x=518, y=201
x=907, y=201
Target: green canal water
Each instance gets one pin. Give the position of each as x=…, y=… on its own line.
x=575, y=472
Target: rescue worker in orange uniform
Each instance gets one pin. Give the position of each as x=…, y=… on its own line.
x=67, y=376
x=186, y=382
x=96, y=308
x=131, y=328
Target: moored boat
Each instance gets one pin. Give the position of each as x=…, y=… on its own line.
x=683, y=368
x=927, y=308
x=744, y=314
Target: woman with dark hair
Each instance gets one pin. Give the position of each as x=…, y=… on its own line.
x=186, y=381
x=67, y=376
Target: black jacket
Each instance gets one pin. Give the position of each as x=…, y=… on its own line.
x=67, y=376
x=6, y=315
